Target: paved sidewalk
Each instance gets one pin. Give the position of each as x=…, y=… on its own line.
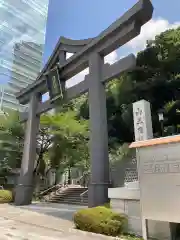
x=63, y=211
x=21, y=224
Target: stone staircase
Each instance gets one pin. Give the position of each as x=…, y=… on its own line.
x=75, y=195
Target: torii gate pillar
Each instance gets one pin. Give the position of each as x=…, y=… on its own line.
x=98, y=188
x=25, y=187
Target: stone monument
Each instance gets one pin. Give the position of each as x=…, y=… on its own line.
x=142, y=120
x=129, y=196
x=128, y=199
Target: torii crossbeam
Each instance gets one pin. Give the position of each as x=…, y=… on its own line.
x=87, y=53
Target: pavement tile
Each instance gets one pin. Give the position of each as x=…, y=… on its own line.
x=21, y=224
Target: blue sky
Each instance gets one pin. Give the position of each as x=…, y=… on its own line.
x=80, y=19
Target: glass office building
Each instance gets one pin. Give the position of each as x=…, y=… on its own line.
x=22, y=40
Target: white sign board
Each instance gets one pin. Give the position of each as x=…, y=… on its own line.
x=159, y=174
x=142, y=120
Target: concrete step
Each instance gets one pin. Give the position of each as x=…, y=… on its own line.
x=71, y=202
x=69, y=193
x=67, y=199
x=64, y=194
x=70, y=196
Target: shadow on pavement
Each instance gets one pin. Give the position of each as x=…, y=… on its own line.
x=62, y=211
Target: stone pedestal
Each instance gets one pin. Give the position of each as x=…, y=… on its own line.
x=159, y=174
x=126, y=200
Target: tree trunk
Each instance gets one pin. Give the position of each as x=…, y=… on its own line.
x=56, y=179
x=38, y=162
x=175, y=129
x=69, y=175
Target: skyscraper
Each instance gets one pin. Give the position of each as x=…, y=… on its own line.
x=22, y=40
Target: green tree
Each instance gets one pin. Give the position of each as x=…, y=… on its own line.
x=44, y=141
x=119, y=110
x=11, y=141
x=71, y=136
x=156, y=79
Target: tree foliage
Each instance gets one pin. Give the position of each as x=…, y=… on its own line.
x=156, y=79
x=70, y=147
x=71, y=136
x=11, y=141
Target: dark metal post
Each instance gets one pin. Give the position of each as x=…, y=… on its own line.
x=161, y=120
x=162, y=128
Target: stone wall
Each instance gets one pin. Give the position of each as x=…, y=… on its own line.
x=127, y=201
x=118, y=170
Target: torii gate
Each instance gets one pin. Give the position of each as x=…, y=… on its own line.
x=87, y=53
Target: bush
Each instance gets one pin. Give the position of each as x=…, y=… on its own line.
x=107, y=205
x=6, y=196
x=100, y=220
x=131, y=237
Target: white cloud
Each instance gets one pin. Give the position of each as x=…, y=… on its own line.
x=68, y=55
x=110, y=58
x=149, y=31
x=77, y=78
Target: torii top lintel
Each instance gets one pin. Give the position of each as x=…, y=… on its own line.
x=120, y=32
x=71, y=45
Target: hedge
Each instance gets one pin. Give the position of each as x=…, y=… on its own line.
x=6, y=196
x=100, y=220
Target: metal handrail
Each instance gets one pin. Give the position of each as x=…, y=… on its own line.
x=48, y=197
x=82, y=195
x=42, y=193
x=86, y=177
